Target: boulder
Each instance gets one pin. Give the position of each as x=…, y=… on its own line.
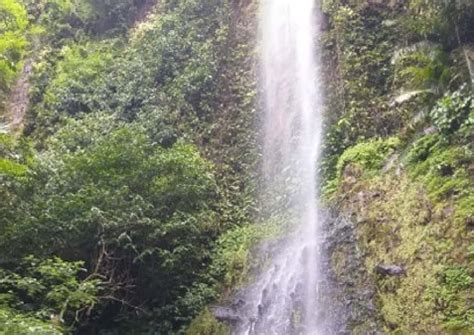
x=390, y=270
x=226, y=314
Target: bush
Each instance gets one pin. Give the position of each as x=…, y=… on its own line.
x=13, y=25
x=13, y=322
x=233, y=258
x=422, y=148
x=206, y=324
x=142, y=214
x=66, y=19
x=452, y=111
x=78, y=84
x=50, y=288
x=368, y=155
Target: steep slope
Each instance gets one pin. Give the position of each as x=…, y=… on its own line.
x=402, y=94
x=137, y=156
x=128, y=202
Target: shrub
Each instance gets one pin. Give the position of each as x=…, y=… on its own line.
x=452, y=111
x=13, y=25
x=206, y=324
x=13, y=322
x=368, y=155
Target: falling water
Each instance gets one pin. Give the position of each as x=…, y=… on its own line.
x=284, y=299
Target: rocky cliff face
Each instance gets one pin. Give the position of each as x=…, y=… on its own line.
x=400, y=141
x=398, y=171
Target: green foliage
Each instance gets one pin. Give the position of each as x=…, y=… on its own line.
x=233, y=259
x=452, y=112
x=66, y=19
x=423, y=66
x=437, y=20
x=13, y=16
x=232, y=256
x=66, y=291
x=79, y=64
x=158, y=232
x=11, y=168
x=166, y=74
x=368, y=156
x=455, y=279
x=418, y=215
x=422, y=148
x=116, y=183
x=359, y=45
x=103, y=176
x=13, y=25
x=206, y=324
x=109, y=14
x=377, y=51
x=77, y=85
x=471, y=252
x=426, y=19
x=49, y=289
x=12, y=322
x=456, y=286
x=234, y=262
x=399, y=223
x=419, y=219
x=441, y=166
x=13, y=157
x=176, y=57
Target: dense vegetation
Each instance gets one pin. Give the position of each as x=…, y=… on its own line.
x=400, y=155
x=132, y=165
x=127, y=201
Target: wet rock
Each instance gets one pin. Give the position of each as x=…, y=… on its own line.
x=446, y=170
x=448, y=211
x=392, y=163
x=470, y=223
x=430, y=130
x=226, y=314
x=390, y=270
x=384, y=3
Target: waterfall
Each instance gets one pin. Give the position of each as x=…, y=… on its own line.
x=284, y=298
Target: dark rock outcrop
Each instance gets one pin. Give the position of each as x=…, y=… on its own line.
x=226, y=314
x=390, y=270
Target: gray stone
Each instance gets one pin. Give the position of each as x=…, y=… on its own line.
x=390, y=270
x=226, y=314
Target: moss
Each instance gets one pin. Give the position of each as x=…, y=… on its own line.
x=419, y=215
x=368, y=157
x=399, y=222
x=455, y=294
x=444, y=170
x=339, y=261
x=362, y=329
x=421, y=149
x=206, y=324
x=436, y=162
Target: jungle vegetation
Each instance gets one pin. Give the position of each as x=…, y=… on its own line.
x=127, y=196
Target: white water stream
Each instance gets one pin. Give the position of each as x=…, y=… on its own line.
x=284, y=299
